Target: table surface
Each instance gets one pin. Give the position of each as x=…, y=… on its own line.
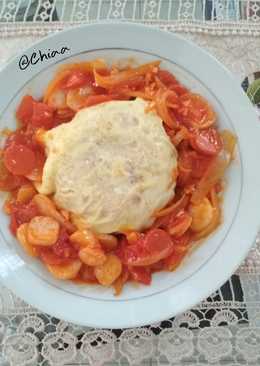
x=223, y=329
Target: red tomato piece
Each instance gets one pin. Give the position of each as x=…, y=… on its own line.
x=25, y=109
x=18, y=138
x=63, y=247
x=22, y=213
x=25, y=212
x=11, y=182
x=156, y=245
x=19, y=159
x=207, y=142
x=22, y=136
x=142, y=275
x=8, y=181
x=167, y=78
x=78, y=79
x=49, y=257
x=179, y=224
x=42, y=115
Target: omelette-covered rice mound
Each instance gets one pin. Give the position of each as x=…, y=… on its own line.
x=112, y=166
x=114, y=174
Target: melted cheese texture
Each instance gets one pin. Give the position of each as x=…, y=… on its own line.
x=111, y=166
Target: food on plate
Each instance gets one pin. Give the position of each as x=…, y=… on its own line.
x=126, y=181
x=114, y=174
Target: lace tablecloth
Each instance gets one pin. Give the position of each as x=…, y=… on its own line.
x=223, y=330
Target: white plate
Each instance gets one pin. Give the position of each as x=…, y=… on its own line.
x=207, y=267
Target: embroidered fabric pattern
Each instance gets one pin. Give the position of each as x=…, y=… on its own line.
x=207, y=16
x=222, y=332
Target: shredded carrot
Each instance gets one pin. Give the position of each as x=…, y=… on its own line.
x=179, y=136
x=162, y=109
x=123, y=76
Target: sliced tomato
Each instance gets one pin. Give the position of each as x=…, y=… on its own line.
x=8, y=181
x=142, y=275
x=78, y=79
x=42, y=115
x=19, y=159
x=11, y=182
x=207, y=142
x=49, y=257
x=18, y=137
x=63, y=247
x=25, y=109
x=21, y=213
x=156, y=245
x=179, y=224
x=196, y=111
x=21, y=136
